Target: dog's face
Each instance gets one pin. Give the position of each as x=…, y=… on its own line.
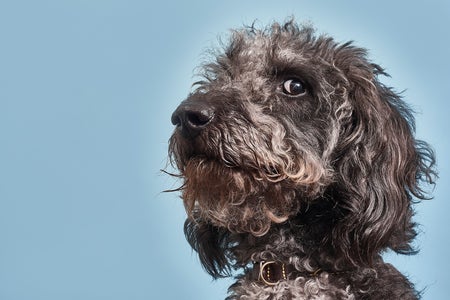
x=254, y=140
x=284, y=120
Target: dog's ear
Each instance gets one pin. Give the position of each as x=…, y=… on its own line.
x=380, y=167
x=211, y=244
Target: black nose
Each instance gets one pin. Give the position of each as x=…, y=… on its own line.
x=191, y=119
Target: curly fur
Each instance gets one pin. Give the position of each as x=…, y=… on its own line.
x=322, y=180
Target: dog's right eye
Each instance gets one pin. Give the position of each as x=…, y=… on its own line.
x=294, y=87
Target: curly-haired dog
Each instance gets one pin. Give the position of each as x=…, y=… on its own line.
x=299, y=168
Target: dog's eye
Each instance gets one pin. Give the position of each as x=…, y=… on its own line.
x=293, y=87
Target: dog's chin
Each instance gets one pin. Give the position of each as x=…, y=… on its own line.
x=234, y=198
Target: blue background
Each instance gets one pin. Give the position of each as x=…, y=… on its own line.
x=86, y=93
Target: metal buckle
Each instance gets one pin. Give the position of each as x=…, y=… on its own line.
x=266, y=271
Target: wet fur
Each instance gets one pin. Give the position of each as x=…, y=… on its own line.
x=326, y=180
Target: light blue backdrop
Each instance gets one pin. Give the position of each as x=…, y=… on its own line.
x=86, y=92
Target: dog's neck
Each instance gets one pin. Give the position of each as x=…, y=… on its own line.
x=303, y=241
x=287, y=245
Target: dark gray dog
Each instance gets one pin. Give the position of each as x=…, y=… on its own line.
x=299, y=168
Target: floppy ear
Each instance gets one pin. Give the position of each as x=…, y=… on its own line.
x=380, y=169
x=211, y=243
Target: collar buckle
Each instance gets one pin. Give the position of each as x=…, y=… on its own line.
x=271, y=272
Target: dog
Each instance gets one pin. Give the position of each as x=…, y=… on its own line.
x=299, y=168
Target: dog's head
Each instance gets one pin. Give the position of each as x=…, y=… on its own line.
x=285, y=120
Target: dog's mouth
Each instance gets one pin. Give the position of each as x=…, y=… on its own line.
x=184, y=151
x=264, y=172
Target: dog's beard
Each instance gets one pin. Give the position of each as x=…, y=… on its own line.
x=231, y=198
x=241, y=200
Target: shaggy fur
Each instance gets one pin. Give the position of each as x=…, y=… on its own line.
x=292, y=150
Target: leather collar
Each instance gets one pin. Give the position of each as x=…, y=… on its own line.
x=273, y=272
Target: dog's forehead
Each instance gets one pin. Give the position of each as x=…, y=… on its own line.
x=256, y=46
x=263, y=53
x=289, y=56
